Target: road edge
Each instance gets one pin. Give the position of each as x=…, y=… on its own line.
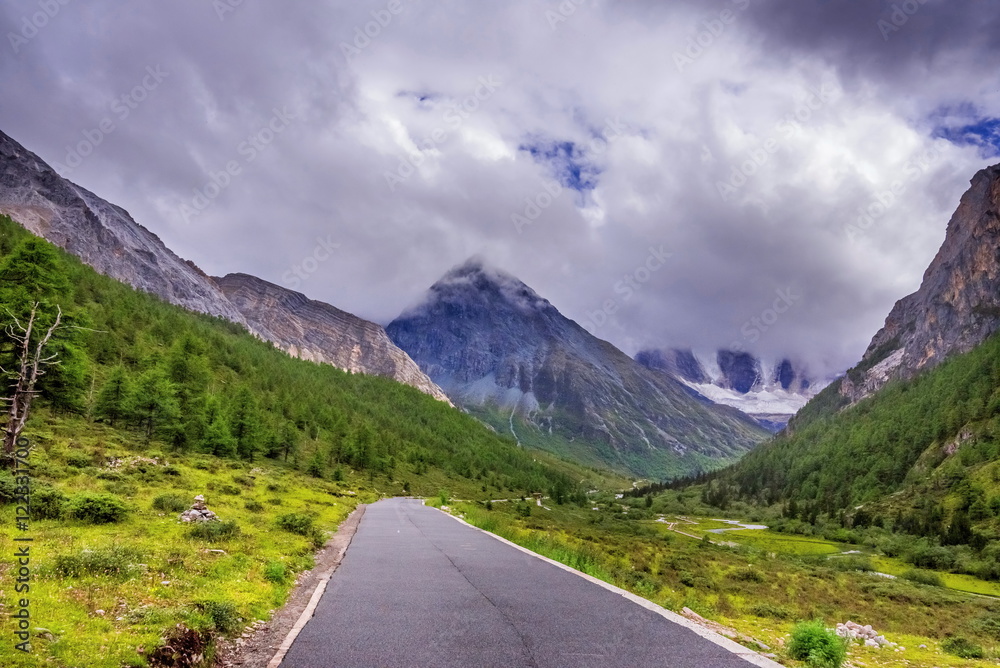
x=731, y=646
x=345, y=534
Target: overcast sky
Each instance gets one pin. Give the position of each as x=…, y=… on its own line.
x=663, y=173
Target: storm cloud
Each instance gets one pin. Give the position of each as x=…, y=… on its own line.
x=741, y=173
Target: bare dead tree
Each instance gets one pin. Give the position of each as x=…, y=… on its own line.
x=33, y=363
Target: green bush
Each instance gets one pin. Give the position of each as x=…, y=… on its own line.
x=818, y=647
x=254, y=506
x=231, y=490
x=963, y=648
x=747, y=574
x=244, y=480
x=852, y=563
x=121, y=488
x=275, y=572
x=770, y=611
x=97, y=508
x=988, y=625
x=47, y=503
x=299, y=523
x=78, y=460
x=214, y=531
x=7, y=487
x=923, y=577
x=170, y=503
x=116, y=561
x=224, y=616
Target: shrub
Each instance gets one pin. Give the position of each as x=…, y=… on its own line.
x=214, y=531
x=299, y=523
x=275, y=572
x=116, y=561
x=203, y=465
x=244, y=480
x=7, y=487
x=747, y=574
x=231, y=490
x=47, y=503
x=818, y=647
x=78, y=460
x=852, y=563
x=923, y=577
x=254, y=506
x=963, y=648
x=986, y=626
x=97, y=508
x=770, y=611
x=170, y=503
x=302, y=524
x=121, y=488
x=223, y=615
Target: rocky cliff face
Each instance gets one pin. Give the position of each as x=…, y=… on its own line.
x=490, y=341
x=105, y=237
x=769, y=392
x=321, y=333
x=957, y=306
x=101, y=234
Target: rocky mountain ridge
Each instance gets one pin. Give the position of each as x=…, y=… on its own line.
x=106, y=237
x=492, y=343
x=321, y=333
x=957, y=306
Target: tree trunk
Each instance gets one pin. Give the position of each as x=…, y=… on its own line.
x=32, y=364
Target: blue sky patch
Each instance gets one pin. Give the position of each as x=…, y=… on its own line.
x=566, y=160
x=983, y=132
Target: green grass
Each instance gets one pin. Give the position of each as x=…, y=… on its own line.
x=148, y=572
x=771, y=541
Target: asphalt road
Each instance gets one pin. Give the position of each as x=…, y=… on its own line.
x=416, y=588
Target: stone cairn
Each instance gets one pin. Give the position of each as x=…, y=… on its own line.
x=866, y=634
x=199, y=512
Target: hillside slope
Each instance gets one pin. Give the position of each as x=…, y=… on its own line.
x=106, y=237
x=925, y=416
x=318, y=332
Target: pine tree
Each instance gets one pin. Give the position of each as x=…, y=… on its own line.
x=113, y=401
x=246, y=424
x=289, y=440
x=154, y=405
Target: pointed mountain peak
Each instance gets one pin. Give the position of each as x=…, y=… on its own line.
x=477, y=279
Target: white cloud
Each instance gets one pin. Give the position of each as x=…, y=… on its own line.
x=682, y=133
